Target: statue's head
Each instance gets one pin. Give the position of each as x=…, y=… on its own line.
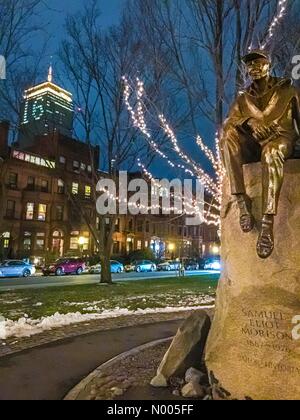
x=258, y=64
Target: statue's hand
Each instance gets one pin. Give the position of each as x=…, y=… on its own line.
x=260, y=131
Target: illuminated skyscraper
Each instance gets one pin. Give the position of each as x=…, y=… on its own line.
x=46, y=108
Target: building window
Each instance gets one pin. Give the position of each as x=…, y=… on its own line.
x=45, y=186
x=30, y=183
x=29, y=211
x=117, y=225
x=87, y=191
x=27, y=244
x=59, y=213
x=10, y=209
x=146, y=244
x=89, y=168
x=140, y=225
x=139, y=245
x=60, y=186
x=6, y=240
x=36, y=160
x=13, y=180
x=147, y=227
x=76, y=165
x=42, y=213
x=75, y=188
x=74, y=240
x=130, y=225
x=40, y=243
x=83, y=166
x=62, y=160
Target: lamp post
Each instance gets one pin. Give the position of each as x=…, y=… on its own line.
x=171, y=250
x=216, y=250
x=81, y=242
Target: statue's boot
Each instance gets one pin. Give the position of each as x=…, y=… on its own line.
x=265, y=243
x=246, y=218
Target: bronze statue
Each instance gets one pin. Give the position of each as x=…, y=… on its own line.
x=262, y=125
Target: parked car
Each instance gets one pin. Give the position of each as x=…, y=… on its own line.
x=141, y=265
x=65, y=266
x=16, y=268
x=115, y=267
x=169, y=266
x=191, y=265
x=212, y=264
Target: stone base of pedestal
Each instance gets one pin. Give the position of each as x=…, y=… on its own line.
x=253, y=350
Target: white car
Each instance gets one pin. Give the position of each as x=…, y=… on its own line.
x=115, y=267
x=212, y=265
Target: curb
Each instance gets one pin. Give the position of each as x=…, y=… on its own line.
x=76, y=391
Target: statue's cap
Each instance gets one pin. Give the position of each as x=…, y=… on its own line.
x=255, y=54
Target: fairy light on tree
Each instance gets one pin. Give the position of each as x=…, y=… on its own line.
x=281, y=9
x=212, y=185
x=280, y=13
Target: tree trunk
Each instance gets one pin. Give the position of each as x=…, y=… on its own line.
x=105, y=276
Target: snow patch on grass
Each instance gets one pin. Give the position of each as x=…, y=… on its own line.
x=27, y=327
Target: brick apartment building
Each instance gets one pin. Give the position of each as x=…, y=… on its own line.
x=47, y=171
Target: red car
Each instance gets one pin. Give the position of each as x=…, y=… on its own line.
x=65, y=266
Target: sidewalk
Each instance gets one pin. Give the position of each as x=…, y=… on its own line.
x=50, y=371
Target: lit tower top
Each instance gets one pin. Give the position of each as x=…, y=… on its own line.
x=46, y=108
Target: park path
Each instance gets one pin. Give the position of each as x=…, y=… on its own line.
x=50, y=371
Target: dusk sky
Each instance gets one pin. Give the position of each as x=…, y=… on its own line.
x=55, y=12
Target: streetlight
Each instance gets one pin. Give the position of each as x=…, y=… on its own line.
x=81, y=242
x=215, y=250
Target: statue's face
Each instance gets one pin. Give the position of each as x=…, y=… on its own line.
x=258, y=68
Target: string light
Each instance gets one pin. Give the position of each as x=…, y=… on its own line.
x=281, y=10
x=212, y=187
x=139, y=122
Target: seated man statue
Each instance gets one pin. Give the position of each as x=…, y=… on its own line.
x=262, y=126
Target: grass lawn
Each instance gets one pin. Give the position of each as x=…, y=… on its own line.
x=133, y=295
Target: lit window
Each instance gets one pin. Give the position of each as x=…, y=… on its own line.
x=83, y=166
x=74, y=243
x=42, y=212
x=75, y=188
x=139, y=245
x=60, y=186
x=89, y=168
x=6, y=239
x=62, y=160
x=29, y=211
x=87, y=191
x=40, y=244
x=27, y=244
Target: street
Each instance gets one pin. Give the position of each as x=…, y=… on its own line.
x=39, y=281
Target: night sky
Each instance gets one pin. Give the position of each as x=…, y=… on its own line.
x=55, y=12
